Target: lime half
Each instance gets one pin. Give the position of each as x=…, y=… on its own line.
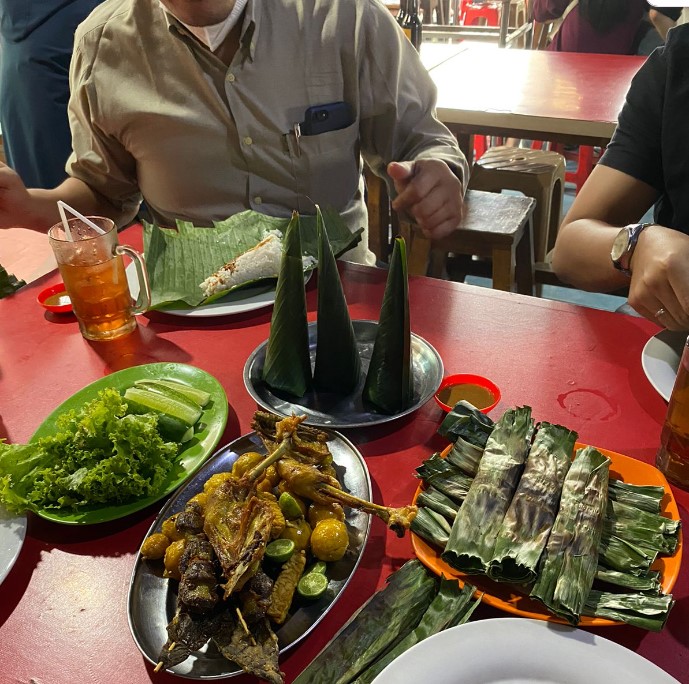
x=280, y=550
x=312, y=585
x=290, y=506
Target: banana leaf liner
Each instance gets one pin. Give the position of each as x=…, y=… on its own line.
x=529, y=519
x=338, y=365
x=479, y=519
x=287, y=366
x=389, y=384
x=570, y=560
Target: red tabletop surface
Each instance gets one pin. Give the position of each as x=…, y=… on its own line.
x=63, y=614
x=566, y=96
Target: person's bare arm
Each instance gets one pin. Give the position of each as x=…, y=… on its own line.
x=36, y=209
x=609, y=200
x=659, y=282
x=661, y=22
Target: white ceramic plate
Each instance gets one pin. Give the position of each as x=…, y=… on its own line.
x=660, y=360
x=12, y=533
x=244, y=300
x=520, y=651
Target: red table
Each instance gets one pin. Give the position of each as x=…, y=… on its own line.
x=564, y=97
x=63, y=616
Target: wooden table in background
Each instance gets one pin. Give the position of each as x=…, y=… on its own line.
x=63, y=614
x=563, y=97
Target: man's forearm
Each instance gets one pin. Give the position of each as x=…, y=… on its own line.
x=78, y=195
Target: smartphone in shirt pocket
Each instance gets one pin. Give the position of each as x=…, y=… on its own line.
x=326, y=117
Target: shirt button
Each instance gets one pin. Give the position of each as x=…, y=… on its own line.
x=258, y=199
x=230, y=78
x=248, y=140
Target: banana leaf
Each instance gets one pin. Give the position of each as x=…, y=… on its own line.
x=434, y=499
x=338, y=365
x=649, y=583
x=389, y=384
x=645, y=497
x=9, y=283
x=431, y=526
x=625, y=556
x=529, y=519
x=287, y=366
x=648, y=530
x=388, y=616
x=569, y=562
x=178, y=260
x=442, y=475
x=451, y=604
x=640, y=610
x=472, y=541
x=467, y=422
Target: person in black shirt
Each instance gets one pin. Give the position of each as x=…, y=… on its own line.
x=645, y=164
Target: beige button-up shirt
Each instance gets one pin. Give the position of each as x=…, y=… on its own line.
x=155, y=113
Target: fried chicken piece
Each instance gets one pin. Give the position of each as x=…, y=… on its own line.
x=309, y=482
x=307, y=442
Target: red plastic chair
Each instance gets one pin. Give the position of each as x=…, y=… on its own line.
x=473, y=12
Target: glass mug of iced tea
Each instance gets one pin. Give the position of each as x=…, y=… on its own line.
x=92, y=269
x=673, y=456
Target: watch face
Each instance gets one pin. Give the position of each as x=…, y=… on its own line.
x=619, y=247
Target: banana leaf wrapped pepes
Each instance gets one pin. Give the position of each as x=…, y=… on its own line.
x=287, y=366
x=640, y=610
x=647, y=530
x=431, y=526
x=389, y=384
x=570, y=560
x=338, y=365
x=625, y=556
x=529, y=519
x=472, y=541
x=649, y=583
x=388, y=616
x=645, y=497
x=452, y=606
x=435, y=500
x=441, y=474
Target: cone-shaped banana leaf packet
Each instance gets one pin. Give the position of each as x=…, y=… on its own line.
x=180, y=259
x=389, y=385
x=570, y=560
x=287, y=366
x=529, y=519
x=9, y=283
x=479, y=519
x=388, y=616
x=338, y=365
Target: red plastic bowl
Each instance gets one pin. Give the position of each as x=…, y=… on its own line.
x=48, y=299
x=468, y=379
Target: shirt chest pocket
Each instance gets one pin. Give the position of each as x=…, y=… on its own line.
x=326, y=166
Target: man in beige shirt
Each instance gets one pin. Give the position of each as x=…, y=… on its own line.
x=199, y=107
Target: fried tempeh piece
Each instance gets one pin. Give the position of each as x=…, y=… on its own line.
x=285, y=586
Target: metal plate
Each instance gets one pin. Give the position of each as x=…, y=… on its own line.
x=152, y=599
x=335, y=411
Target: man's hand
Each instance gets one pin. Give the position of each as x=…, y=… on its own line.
x=659, y=289
x=15, y=200
x=429, y=193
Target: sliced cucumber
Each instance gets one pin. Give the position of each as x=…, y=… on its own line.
x=184, y=410
x=171, y=429
x=199, y=396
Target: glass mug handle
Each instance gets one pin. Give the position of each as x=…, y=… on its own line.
x=143, y=301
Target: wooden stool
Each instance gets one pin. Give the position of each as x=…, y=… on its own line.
x=494, y=225
x=536, y=173
x=380, y=219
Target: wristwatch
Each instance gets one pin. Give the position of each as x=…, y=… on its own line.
x=624, y=245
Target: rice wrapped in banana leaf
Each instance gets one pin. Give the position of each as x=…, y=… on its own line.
x=529, y=519
x=641, y=610
x=389, y=384
x=287, y=366
x=472, y=541
x=569, y=563
x=338, y=365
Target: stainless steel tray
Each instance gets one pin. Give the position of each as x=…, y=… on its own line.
x=152, y=599
x=330, y=410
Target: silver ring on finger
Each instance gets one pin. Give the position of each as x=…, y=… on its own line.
x=660, y=313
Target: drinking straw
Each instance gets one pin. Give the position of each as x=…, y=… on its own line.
x=61, y=206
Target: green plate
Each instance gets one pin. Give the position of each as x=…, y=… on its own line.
x=191, y=457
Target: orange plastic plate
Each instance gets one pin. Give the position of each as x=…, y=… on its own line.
x=507, y=597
